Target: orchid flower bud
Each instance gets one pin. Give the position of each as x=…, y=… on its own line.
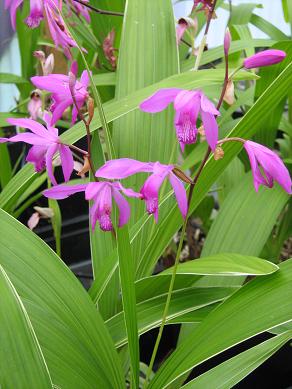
x=48, y=66
x=34, y=106
x=264, y=58
x=227, y=41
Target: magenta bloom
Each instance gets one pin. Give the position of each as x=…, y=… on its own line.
x=58, y=85
x=125, y=167
x=273, y=169
x=264, y=58
x=35, y=16
x=188, y=104
x=101, y=193
x=60, y=35
x=45, y=145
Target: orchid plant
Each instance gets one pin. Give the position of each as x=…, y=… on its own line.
x=146, y=137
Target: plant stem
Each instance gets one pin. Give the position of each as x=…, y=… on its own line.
x=80, y=114
x=97, y=98
x=226, y=79
x=98, y=10
x=173, y=275
x=204, y=39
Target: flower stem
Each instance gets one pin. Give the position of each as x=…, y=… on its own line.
x=98, y=10
x=86, y=124
x=204, y=39
x=97, y=98
x=173, y=275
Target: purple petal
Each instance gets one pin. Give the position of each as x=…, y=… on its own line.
x=258, y=179
x=208, y=106
x=272, y=165
x=186, y=100
x=29, y=138
x=127, y=191
x=264, y=58
x=34, y=126
x=60, y=192
x=159, y=100
x=4, y=140
x=59, y=109
x=36, y=155
x=49, y=162
x=211, y=129
x=122, y=168
x=84, y=79
x=150, y=193
x=67, y=161
x=180, y=194
x=55, y=83
x=93, y=189
x=124, y=207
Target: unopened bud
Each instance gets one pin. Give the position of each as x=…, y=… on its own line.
x=181, y=175
x=229, y=93
x=72, y=82
x=48, y=66
x=218, y=153
x=227, y=41
x=33, y=221
x=90, y=108
x=39, y=55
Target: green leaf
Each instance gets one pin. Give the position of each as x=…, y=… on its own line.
x=241, y=13
x=150, y=311
x=8, y=78
x=76, y=345
x=104, y=79
x=225, y=264
x=6, y=169
x=229, y=373
x=21, y=358
x=5, y=115
x=268, y=28
x=56, y=223
x=127, y=272
x=236, y=229
x=265, y=299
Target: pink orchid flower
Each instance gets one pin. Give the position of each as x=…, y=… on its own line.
x=264, y=58
x=34, y=105
x=60, y=35
x=80, y=9
x=35, y=16
x=273, y=169
x=125, y=167
x=58, y=85
x=37, y=10
x=46, y=144
x=188, y=104
x=101, y=193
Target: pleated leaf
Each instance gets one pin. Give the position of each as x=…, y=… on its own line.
x=22, y=364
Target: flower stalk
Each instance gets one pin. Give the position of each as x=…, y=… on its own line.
x=98, y=10
x=204, y=39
